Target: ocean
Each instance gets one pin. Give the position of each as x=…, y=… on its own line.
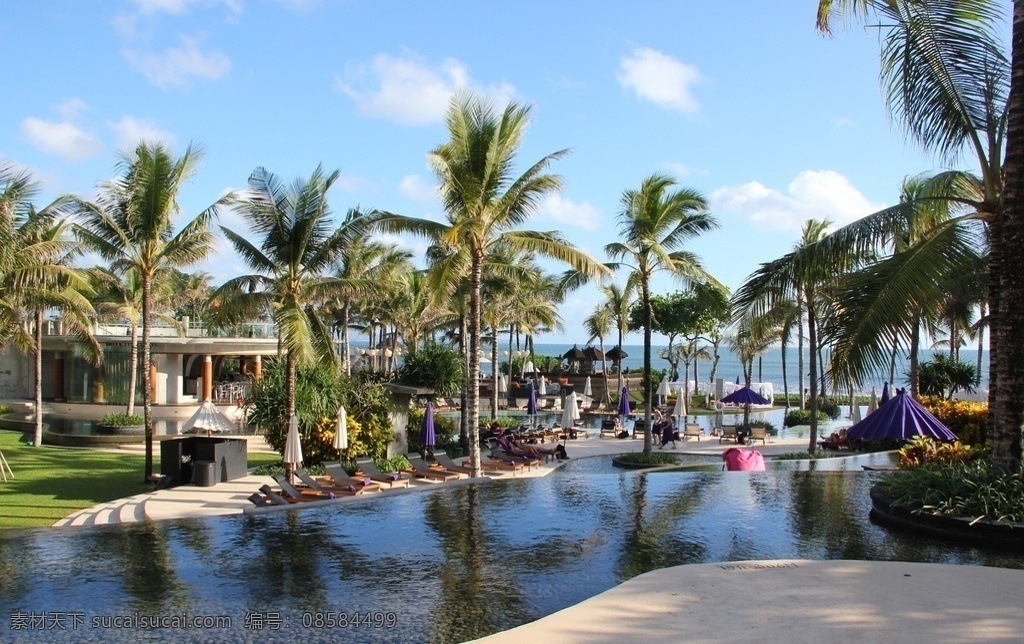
x=770, y=365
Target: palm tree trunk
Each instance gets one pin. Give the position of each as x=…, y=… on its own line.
x=812, y=340
x=147, y=378
x=785, y=382
x=1006, y=284
x=346, y=362
x=915, y=344
x=133, y=370
x=38, y=385
x=800, y=359
x=604, y=373
x=472, y=384
x=981, y=337
x=494, y=373
x=648, y=389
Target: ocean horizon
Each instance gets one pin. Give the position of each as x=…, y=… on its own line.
x=768, y=369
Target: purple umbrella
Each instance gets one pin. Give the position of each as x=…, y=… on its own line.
x=901, y=419
x=531, y=404
x=745, y=396
x=737, y=380
x=428, y=437
x=624, y=409
x=885, y=394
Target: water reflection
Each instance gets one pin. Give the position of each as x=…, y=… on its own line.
x=457, y=562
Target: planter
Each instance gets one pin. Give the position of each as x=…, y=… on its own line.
x=962, y=529
x=629, y=465
x=120, y=430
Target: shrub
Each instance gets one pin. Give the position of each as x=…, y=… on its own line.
x=829, y=407
x=648, y=459
x=801, y=417
x=758, y=423
x=445, y=429
x=5, y=409
x=319, y=392
x=926, y=451
x=114, y=419
x=974, y=490
x=967, y=419
x=434, y=366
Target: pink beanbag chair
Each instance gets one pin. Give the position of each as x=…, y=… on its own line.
x=743, y=460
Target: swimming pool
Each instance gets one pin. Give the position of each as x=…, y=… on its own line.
x=446, y=565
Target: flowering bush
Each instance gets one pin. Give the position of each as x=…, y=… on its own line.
x=967, y=419
x=926, y=451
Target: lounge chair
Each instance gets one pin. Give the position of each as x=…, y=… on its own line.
x=285, y=498
x=501, y=464
x=261, y=501
x=692, y=430
x=451, y=466
x=608, y=427
x=370, y=469
x=728, y=433
x=340, y=481
x=500, y=454
x=758, y=433
x=292, y=493
x=420, y=469
x=639, y=427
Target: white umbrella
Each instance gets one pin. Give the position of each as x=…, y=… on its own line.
x=571, y=413
x=873, y=403
x=341, y=432
x=292, y=457
x=663, y=389
x=856, y=413
x=502, y=384
x=543, y=390
x=587, y=391
x=208, y=419
x=528, y=367
x=680, y=410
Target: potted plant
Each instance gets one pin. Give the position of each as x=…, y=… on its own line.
x=116, y=423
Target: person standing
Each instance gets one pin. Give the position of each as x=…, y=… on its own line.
x=663, y=426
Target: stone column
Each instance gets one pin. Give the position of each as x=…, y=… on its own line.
x=207, y=379
x=257, y=367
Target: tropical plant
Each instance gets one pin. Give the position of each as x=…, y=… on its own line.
x=654, y=222
x=484, y=202
x=292, y=246
x=115, y=419
x=945, y=375
x=928, y=451
x=966, y=419
x=131, y=224
x=976, y=490
x=434, y=366
x=950, y=84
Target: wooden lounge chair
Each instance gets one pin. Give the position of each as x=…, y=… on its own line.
x=420, y=469
x=501, y=464
x=451, y=466
x=758, y=434
x=608, y=428
x=692, y=430
x=340, y=481
x=728, y=433
x=292, y=493
x=285, y=498
x=391, y=479
x=499, y=454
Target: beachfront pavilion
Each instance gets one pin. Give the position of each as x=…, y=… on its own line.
x=188, y=365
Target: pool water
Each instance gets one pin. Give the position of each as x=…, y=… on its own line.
x=447, y=565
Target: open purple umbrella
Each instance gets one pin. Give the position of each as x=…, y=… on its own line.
x=428, y=437
x=901, y=418
x=744, y=396
x=624, y=409
x=885, y=394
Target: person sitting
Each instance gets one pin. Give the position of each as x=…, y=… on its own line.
x=836, y=440
x=520, y=449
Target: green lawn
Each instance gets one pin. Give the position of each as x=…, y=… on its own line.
x=50, y=483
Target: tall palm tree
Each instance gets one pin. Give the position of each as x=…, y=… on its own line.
x=618, y=301
x=949, y=83
x=131, y=225
x=484, y=203
x=292, y=247
x=597, y=325
x=655, y=221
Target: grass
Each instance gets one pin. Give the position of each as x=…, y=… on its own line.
x=50, y=483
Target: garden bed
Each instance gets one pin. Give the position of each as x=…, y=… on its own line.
x=961, y=529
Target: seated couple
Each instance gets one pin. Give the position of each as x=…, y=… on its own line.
x=510, y=446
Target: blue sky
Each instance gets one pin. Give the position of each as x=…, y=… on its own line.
x=742, y=101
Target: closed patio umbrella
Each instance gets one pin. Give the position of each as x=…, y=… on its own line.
x=531, y=405
x=428, y=436
x=341, y=431
x=587, y=389
x=873, y=401
x=856, y=413
x=543, y=389
x=570, y=413
x=680, y=409
x=663, y=390
x=624, y=407
x=292, y=456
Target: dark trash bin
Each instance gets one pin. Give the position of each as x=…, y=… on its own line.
x=204, y=473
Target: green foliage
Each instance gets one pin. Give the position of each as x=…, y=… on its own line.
x=829, y=407
x=393, y=464
x=319, y=392
x=975, y=490
x=654, y=458
x=927, y=451
x=967, y=419
x=5, y=409
x=758, y=423
x=445, y=429
x=806, y=456
x=114, y=419
x=943, y=376
x=801, y=417
x=434, y=366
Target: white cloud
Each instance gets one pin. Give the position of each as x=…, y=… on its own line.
x=409, y=90
x=64, y=139
x=681, y=171
x=179, y=7
x=70, y=108
x=660, y=79
x=817, y=194
x=415, y=188
x=176, y=66
x=130, y=131
x=566, y=211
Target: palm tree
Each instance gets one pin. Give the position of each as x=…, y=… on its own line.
x=655, y=221
x=949, y=82
x=618, y=301
x=597, y=325
x=131, y=224
x=484, y=203
x=292, y=247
